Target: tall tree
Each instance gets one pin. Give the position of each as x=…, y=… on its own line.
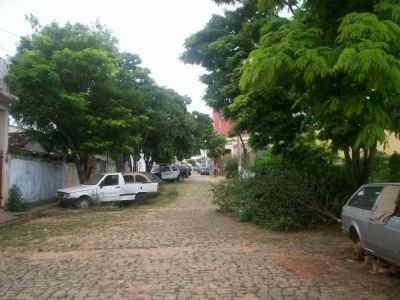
x=63, y=78
x=343, y=62
x=332, y=69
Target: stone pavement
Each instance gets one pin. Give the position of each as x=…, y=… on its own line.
x=183, y=250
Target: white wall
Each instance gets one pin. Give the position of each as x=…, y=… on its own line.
x=38, y=179
x=4, y=98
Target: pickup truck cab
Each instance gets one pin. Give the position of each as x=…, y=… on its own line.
x=108, y=187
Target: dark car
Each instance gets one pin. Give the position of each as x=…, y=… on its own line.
x=204, y=171
x=185, y=170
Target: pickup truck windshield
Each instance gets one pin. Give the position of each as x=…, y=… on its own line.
x=94, y=179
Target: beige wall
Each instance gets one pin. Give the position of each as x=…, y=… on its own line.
x=392, y=145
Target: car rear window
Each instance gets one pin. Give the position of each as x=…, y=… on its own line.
x=366, y=197
x=129, y=179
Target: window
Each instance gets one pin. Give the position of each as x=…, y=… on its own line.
x=128, y=179
x=174, y=169
x=110, y=180
x=164, y=169
x=140, y=178
x=366, y=197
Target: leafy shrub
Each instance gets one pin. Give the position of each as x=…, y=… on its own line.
x=231, y=167
x=381, y=170
x=394, y=167
x=386, y=168
x=284, y=197
x=16, y=202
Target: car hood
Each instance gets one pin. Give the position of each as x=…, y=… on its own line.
x=78, y=188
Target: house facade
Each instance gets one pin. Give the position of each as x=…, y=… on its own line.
x=5, y=99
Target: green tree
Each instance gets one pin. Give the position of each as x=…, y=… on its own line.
x=332, y=69
x=63, y=78
x=170, y=130
x=203, y=131
x=215, y=145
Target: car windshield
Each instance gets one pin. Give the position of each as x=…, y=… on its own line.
x=93, y=180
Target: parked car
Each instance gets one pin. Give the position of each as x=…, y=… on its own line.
x=153, y=177
x=170, y=173
x=156, y=170
x=185, y=170
x=204, y=171
x=108, y=187
x=371, y=218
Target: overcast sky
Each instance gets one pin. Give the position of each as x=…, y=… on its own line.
x=154, y=29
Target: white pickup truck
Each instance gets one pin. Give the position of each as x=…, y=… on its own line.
x=108, y=187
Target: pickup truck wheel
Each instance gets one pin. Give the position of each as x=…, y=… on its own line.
x=84, y=202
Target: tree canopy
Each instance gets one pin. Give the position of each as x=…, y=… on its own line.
x=333, y=70
x=79, y=95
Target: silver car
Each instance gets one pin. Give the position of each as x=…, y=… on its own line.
x=371, y=218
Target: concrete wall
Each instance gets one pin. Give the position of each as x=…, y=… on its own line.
x=38, y=179
x=3, y=150
x=4, y=100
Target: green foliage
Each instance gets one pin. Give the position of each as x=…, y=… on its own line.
x=381, y=171
x=231, y=165
x=285, y=197
x=334, y=69
x=78, y=95
x=272, y=201
x=16, y=202
x=387, y=168
x=215, y=144
x=394, y=167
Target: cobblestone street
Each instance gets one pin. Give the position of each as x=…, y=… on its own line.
x=179, y=249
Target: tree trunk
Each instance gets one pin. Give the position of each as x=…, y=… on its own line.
x=84, y=171
x=134, y=159
x=244, y=150
x=149, y=164
x=120, y=163
x=359, y=164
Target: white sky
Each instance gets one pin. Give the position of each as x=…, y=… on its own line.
x=154, y=29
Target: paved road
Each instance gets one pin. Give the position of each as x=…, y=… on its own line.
x=182, y=249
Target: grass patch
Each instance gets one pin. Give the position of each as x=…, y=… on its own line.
x=52, y=225
x=168, y=193
x=59, y=222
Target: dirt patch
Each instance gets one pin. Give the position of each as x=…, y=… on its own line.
x=305, y=268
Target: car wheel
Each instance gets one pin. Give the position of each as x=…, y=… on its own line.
x=84, y=202
x=358, y=250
